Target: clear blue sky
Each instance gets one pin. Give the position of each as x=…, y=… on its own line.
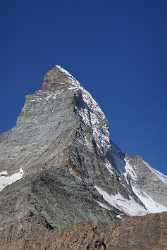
x=117, y=49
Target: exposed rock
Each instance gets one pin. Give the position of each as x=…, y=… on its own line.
x=57, y=78
x=134, y=233
x=58, y=168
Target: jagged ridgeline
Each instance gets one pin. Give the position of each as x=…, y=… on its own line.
x=59, y=167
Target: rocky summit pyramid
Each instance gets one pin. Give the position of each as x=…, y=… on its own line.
x=65, y=185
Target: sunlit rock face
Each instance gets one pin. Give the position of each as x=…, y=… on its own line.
x=58, y=78
x=60, y=166
x=131, y=233
x=61, y=142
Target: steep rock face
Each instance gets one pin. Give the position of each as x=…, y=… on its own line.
x=61, y=147
x=58, y=164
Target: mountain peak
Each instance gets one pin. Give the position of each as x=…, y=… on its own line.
x=57, y=78
x=58, y=167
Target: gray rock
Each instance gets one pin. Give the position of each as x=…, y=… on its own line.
x=59, y=160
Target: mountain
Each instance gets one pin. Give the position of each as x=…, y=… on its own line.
x=60, y=171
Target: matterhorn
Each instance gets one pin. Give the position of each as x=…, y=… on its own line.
x=64, y=183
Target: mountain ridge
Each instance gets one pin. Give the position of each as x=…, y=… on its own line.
x=59, y=164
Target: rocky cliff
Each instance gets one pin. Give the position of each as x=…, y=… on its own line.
x=59, y=169
x=147, y=232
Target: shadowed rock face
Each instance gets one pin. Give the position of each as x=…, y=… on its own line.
x=58, y=168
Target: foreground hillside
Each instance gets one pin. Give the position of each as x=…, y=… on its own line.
x=133, y=233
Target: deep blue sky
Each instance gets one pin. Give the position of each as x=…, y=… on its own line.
x=117, y=49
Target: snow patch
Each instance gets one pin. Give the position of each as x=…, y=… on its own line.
x=6, y=179
x=109, y=167
x=160, y=176
x=93, y=116
x=73, y=87
x=63, y=70
x=151, y=205
x=84, y=114
x=129, y=207
x=129, y=171
x=119, y=216
x=103, y=205
x=3, y=173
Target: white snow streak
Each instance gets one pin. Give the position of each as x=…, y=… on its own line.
x=109, y=167
x=93, y=116
x=151, y=205
x=6, y=179
x=129, y=207
x=160, y=176
x=74, y=82
x=103, y=205
x=129, y=171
